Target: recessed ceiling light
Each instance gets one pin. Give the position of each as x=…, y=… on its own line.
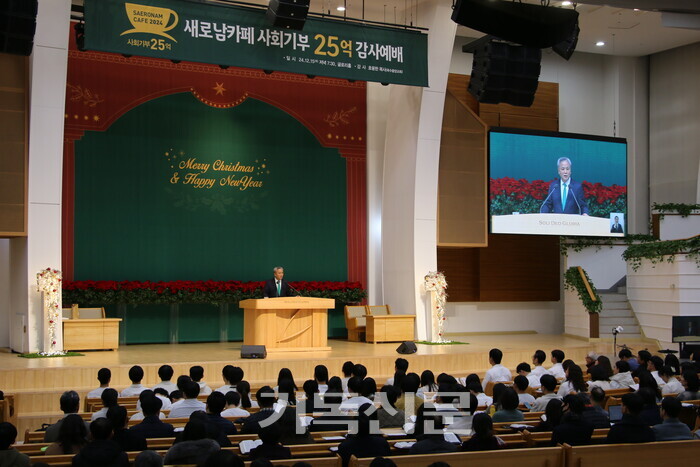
x=341, y=8
x=566, y=3
x=600, y=43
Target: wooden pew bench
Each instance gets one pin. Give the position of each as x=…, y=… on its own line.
x=532, y=457
x=680, y=453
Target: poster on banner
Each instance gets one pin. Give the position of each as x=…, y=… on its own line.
x=241, y=36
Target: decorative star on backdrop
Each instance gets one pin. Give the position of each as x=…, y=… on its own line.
x=219, y=88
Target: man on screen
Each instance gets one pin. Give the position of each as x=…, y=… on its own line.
x=277, y=286
x=616, y=227
x=565, y=196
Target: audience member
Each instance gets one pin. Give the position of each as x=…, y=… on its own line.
x=409, y=390
x=164, y=396
x=197, y=374
x=369, y=386
x=604, y=362
x=189, y=404
x=152, y=426
x=285, y=374
x=213, y=430
x=135, y=375
x=232, y=375
x=622, y=376
x=521, y=384
x=654, y=365
x=233, y=402
x=333, y=419
x=148, y=458
x=599, y=378
x=359, y=370
x=497, y=373
x=365, y=443
x=388, y=415
x=643, y=357
x=145, y=395
x=110, y=398
x=650, y=411
x=312, y=397
x=595, y=411
x=552, y=416
x=101, y=450
x=215, y=405
x=591, y=360
x=175, y=396
x=646, y=380
x=356, y=398
x=400, y=364
x=626, y=356
x=557, y=370
x=671, y=429
x=70, y=403
x=125, y=438
x=347, y=374
x=498, y=390
x=483, y=437
x=537, y=361
x=574, y=382
x=104, y=376
x=476, y=389
x=524, y=369
x=223, y=459
x=432, y=441
x=271, y=448
x=692, y=387
x=427, y=383
x=321, y=378
x=549, y=384
x=509, y=408
x=194, y=448
x=165, y=373
x=72, y=436
x=291, y=428
x=631, y=429
x=574, y=429
x=383, y=462
x=266, y=399
x=9, y=456
x=244, y=391
x=671, y=384
x=672, y=361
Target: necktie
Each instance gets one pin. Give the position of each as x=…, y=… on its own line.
x=563, y=196
x=279, y=289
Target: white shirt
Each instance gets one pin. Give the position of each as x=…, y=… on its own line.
x=672, y=387
x=604, y=385
x=95, y=393
x=133, y=390
x=102, y=413
x=235, y=412
x=185, y=407
x=322, y=388
x=658, y=379
x=166, y=403
x=557, y=371
x=541, y=403
x=354, y=403
x=538, y=371
x=498, y=374
x=622, y=380
x=533, y=381
x=140, y=416
x=204, y=389
x=527, y=399
x=484, y=400
x=564, y=389
x=344, y=382
x=167, y=385
x=226, y=388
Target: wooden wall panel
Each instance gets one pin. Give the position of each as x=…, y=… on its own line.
x=461, y=269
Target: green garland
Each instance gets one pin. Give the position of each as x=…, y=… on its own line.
x=578, y=244
x=658, y=252
x=675, y=208
x=574, y=282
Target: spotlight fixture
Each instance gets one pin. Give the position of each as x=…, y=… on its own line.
x=600, y=43
x=340, y=8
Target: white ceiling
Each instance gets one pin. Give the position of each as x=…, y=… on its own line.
x=624, y=31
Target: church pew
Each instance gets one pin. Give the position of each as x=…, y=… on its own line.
x=639, y=455
x=544, y=438
x=7, y=409
x=532, y=457
x=315, y=461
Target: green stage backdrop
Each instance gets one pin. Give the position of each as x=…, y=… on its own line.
x=176, y=189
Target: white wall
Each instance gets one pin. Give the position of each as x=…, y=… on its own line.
x=673, y=126
x=4, y=292
x=541, y=317
x=603, y=265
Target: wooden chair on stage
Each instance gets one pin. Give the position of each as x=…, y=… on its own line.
x=356, y=322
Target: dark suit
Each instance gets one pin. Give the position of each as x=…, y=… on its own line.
x=573, y=430
x=51, y=435
x=631, y=429
x=433, y=444
x=270, y=452
x=363, y=446
x=152, y=427
x=252, y=423
x=616, y=228
x=270, y=289
x=575, y=200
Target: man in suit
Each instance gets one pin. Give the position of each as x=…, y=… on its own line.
x=152, y=426
x=277, y=286
x=70, y=403
x=565, y=196
x=616, y=227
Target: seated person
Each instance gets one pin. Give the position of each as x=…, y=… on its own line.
x=574, y=382
x=215, y=405
x=671, y=384
x=387, y=414
x=321, y=378
x=691, y=383
x=650, y=412
x=110, y=398
x=549, y=384
x=72, y=436
x=520, y=385
x=409, y=401
x=102, y=450
x=356, y=399
x=332, y=419
x=194, y=448
x=271, y=448
x=367, y=442
x=196, y=374
x=671, y=429
x=523, y=369
x=266, y=398
x=400, y=365
x=625, y=355
x=497, y=373
x=152, y=426
x=312, y=397
x=185, y=407
x=654, y=365
x=70, y=403
x=126, y=439
x=483, y=437
x=509, y=408
x=232, y=375
x=144, y=395
x=164, y=396
x=243, y=388
x=165, y=373
x=622, y=376
x=233, y=402
x=135, y=375
x=599, y=378
x=537, y=361
x=104, y=376
x=552, y=416
x=557, y=370
x=631, y=429
x=573, y=429
x=9, y=456
x=432, y=439
x=478, y=391
x=594, y=412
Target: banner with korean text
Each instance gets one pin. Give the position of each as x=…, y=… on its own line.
x=240, y=36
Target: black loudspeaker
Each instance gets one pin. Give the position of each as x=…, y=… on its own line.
x=289, y=14
x=17, y=26
x=565, y=49
x=407, y=347
x=253, y=351
x=525, y=23
x=503, y=72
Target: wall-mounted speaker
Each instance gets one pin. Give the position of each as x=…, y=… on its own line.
x=288, y=14
x=17, y=26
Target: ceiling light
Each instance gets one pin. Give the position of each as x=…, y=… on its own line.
x=566, y=3
x=341, y=8
x=600, y=43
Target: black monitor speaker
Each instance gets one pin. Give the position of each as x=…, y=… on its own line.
x=289, y=14
x=17, y=26
x=253, y=351
x=504, y=72
x=407, y=348
x=529, y=24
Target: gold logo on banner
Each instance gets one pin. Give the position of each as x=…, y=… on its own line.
x=150, y=20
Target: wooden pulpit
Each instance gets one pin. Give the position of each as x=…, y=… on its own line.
x=287, y=323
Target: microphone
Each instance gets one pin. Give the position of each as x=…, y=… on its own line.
x=545, y=200
x=579, y=206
